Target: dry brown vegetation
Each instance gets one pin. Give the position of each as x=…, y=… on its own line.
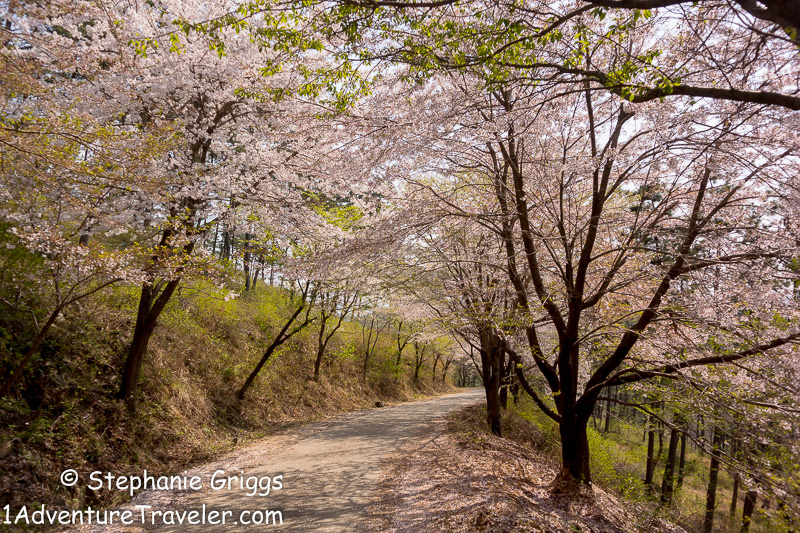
x=457, y=477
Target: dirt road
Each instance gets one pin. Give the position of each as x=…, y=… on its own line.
x=327, y=479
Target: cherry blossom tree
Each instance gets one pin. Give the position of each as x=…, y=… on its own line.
x=611, y=219
x=64, y=169
x=244, y=138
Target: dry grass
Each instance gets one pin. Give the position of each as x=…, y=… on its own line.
x=458, y=478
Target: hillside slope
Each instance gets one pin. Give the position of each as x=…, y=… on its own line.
x=64, y=414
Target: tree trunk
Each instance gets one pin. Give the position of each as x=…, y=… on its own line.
x=503, y=397
x=748, y=508
x=651, y=466
x=514, y=390
x=249, y=381
x=493, y=407
x=490, y=352
x=682, y=461
x=711, y=495
x=150, y=308
x=323, y=327
x=398, y=369
x=419, y=358
x=260, y=270
x=246, y=262
x=657, y=455
x=735, y=495
x=320, y=346
x=226, y=245
x=505, y=378
x=669, y=468
x=575, y=465
x=282, y=337
x=366, y=366
x=216, y=235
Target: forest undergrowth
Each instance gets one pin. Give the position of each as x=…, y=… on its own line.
x=618, y=461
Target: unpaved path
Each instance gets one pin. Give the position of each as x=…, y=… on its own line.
x=328, y=478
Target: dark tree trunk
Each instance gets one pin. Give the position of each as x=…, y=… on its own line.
x=246, y=262
x=401, y=344
x=419, y=358
x=748, y=508
x=505, y=380
x=280, y=338
x=735, y=495
x=260, y=271
x=493, y=407
x=657, y=455
x=365, y=367
x=446, y=368
x=249, y=381
x=682, y=461
x=491, y=368
x=151, y=305
x=150, y=308
x=514, y=388
x=324, y=315
x=226, y=245
x=651, y=465
x=608, y=416
x=574, y=452
x=321, y=342
x=711, y=494
x=216, y=236
x=669, y=468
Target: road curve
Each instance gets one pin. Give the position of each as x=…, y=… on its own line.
x=328, y=478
